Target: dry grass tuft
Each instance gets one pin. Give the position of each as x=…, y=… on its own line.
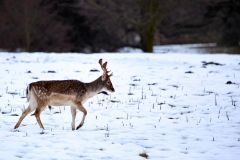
x=144, y=154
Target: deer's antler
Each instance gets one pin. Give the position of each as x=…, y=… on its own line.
x=104, y=67
x=100, y=62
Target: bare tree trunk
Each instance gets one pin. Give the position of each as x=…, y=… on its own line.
x=147, y=37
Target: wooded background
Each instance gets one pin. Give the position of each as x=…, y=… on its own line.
x=107, y=25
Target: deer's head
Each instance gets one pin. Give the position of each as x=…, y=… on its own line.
x=106, y=77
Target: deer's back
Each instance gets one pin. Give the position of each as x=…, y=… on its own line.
x=44, y=89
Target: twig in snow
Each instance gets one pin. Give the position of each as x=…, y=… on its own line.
x=227, y=115
x=232, y=100
x=22, y=108
x=107, y=134
x=215, y=99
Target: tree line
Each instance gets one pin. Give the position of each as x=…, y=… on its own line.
x=97, y=25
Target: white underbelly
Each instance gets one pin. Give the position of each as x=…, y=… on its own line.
x=59, y=103
x=61, y=100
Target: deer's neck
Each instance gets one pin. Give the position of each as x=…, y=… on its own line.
x=95, y=87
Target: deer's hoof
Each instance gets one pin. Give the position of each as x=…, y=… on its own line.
x=79, y=126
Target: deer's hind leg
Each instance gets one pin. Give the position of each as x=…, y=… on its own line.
x=37, y=113
x=30, y=108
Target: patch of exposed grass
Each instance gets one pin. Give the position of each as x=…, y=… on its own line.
x=144, y=154
x=114, y=101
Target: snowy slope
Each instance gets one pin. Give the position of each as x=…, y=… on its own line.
x=164, y=105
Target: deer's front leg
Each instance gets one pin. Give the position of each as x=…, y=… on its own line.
x=73, y=111
x=80, y=107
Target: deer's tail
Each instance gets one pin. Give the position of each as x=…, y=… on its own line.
x=28, y=92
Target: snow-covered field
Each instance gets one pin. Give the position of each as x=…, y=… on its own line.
x=169, y=106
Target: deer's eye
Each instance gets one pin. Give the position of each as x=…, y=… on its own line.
x=108, y=82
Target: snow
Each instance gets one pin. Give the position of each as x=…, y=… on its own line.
x=164, y=105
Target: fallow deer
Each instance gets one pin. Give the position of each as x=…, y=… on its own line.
x=64, y=93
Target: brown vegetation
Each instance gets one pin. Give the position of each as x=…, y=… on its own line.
x=95, y=26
